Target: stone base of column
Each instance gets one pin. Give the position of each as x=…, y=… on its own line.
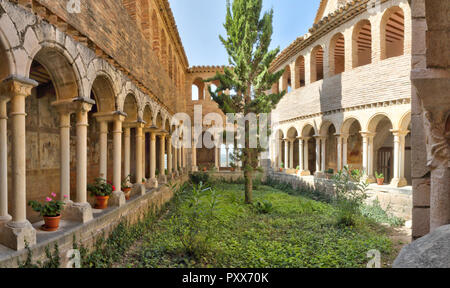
x=153, y=183
x=162, y=179
x=117, y=199
x=139, y=189
x=4, y=220
x=304, y=173
x=14, y=235
x=80, y=212
x=194, y=168
x=398, y=182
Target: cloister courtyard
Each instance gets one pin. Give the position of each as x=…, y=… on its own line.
x=105, y=126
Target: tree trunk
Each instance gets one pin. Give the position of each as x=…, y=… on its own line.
x=248, y=176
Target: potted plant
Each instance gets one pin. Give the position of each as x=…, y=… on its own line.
x=204, y=169
x=50, y=210
x=281, y=167
x=143, y=180
x=329, y=173
x=101, y=190
x=232, y=167
x=126, y=187
x=157, y=172
x=380, y=178
x=297, y=169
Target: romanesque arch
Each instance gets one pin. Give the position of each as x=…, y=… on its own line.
x=309, y=146
x=329, y=147
x=337, y=54
x=300, y=71
x=103, y=93
x=198, y=87
x=293, y=144
x=362, y=43
x=317, y=63
x=392, y=33
x=287, y=81
x=5, y=59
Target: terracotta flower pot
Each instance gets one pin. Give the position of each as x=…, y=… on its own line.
x=204, y=169
x=127, y=192
x=380, y=181
x=101, y=202
x=281, y=169
x=51, y=223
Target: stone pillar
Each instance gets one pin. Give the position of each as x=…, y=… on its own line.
x=139, y=135
x=368, y=156
x=280, y=152
x=169, y=156
x=339, y=152
x=306, y=171
x=153, y=180
x=318, y=156
x=18, y=231
x=64, y=140
x=175, y=158
x=103, y=148
x=286, y=153
x=144, y=151
x=179, y=158
x=227, y=156
x=344, y=150
x=291, y=154
x=300, y=155
x=365, y=162
x=399, y=151
x=324, y=149
x=118, y=197
x=4, y=216
x=162, y=154
x=126, y=150
x=194, y=156
x=371, y=158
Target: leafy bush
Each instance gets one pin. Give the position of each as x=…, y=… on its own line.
x=263, y=207
x=101, y=187
x=199, y=177
x=379, y=215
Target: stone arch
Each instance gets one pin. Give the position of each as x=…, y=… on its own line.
x=292, y=134
x=309, y=153
x=6, y=58
x=200, y=87
x=130, y=107
x=64, y=75
x=348, y=122
x=159, y=120
x=155, y=32
x=147, y=116
x=337, y=54
x=102, y=90
x=375, y=119
x=381, y=126
x=317, y=63
x=287, y=80
x=405, y=121
x=300, y=72
x=362, y=43
x=324, y=126
x=392, y=33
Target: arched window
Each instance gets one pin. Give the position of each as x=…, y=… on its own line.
x=392, y=33
x=337, y=54
x=300, y=71
x=362, y=44
x=197, y=89
x=287, y=83
x=317, y=64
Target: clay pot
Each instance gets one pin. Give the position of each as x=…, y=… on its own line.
x=127, y=192
x=281, y=169
x=204, y=169
x=232, y=169
x=51, y=223
x=380, y=181
x=101, y=202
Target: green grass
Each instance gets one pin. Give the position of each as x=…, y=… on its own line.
x=297, y=232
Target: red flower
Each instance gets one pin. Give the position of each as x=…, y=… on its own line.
x=114, y=188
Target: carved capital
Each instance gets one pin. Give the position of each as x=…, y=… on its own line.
x=16, y=86
x=438, y=139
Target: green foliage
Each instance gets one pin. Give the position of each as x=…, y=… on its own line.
x=330, y=171
x=379, y=215
x=282, y=165
x=199, y=177
x=349, y=196
x=126, y=182
x=263, y=207
x=50, y=208
x=379, y=176
x=100, y=187
x=53, y=259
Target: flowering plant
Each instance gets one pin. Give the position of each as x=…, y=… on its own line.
x=50, y=208
x=101, y=187
x=126, y=183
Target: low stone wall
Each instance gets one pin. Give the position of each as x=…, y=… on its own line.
x=234, y=176
x=101, y=226
x=397, y=200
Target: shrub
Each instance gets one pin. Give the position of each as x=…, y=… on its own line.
x=379, y=215
x=199, y=177
x=263, y=207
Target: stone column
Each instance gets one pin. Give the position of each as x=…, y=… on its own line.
x=194, y=156
x=368, y=156
x=227, y=156
x=139, y=135
x=4, y=216
x=64, y=140
x=318, y=156
x=324, y=149
x=103, y=148
x=82, y=208
x=300, y=155
x=339, y=152
x=344, y=150
x=179, y=158
x=118, y=197
x=280, y=152
x=162, y=154
x=126, y=150
x=144, y=158
x=169, y=156
x=16, y=232
x=365, y=151
x=153, y=180
x=286, y=153
x=291, y=154
x=175, y=158
x=399, y=151
x=306, y=171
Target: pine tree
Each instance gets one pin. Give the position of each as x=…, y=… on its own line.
x=248, y=79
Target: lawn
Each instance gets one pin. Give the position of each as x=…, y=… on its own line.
x=296, y=232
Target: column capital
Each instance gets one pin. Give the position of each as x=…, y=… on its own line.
x=320, y=137
x=83, y=105
x=367, y=134
x=399, y=132
x=16, y=86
